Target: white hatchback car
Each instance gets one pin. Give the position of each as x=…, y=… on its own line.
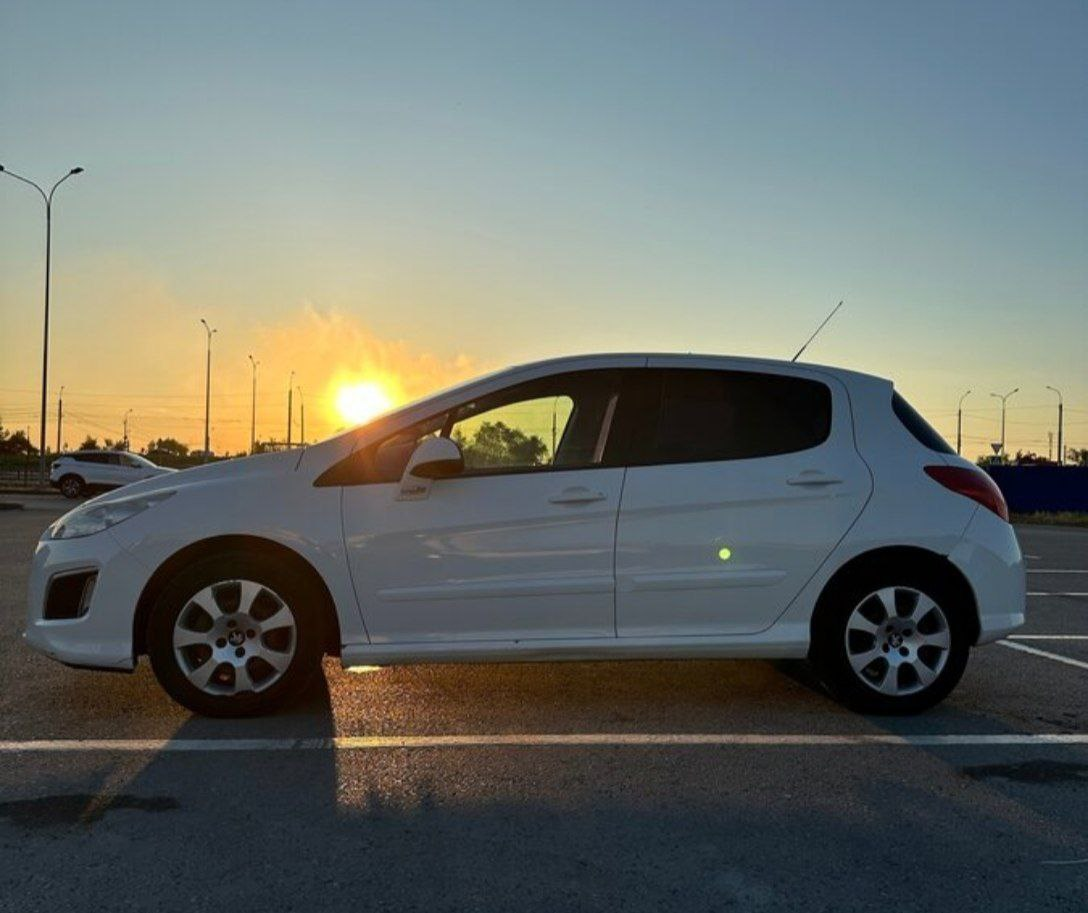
x=83, y=471
x=596, y=507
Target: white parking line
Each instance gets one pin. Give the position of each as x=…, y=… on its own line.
x=1058, y=658
x=1056, y=594
x=1056, y=570
x=572, y=740
x=1048, y=637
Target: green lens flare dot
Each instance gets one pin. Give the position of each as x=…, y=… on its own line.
x=725, y=553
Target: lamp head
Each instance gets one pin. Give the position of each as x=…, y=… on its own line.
x=76, y=171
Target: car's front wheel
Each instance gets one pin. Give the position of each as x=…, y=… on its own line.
x=234, y=635
x=892, y=643
x=71, y=486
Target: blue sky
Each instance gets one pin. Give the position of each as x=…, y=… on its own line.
x=448, y=187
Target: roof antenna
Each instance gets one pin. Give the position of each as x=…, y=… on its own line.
x=820, y=327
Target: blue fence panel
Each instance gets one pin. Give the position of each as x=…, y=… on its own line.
x=1031, y=488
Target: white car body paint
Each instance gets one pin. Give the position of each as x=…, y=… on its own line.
x=99, y=469
x=603, y=563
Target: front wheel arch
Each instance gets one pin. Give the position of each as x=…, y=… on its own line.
x=904, y=558
x=216, y=545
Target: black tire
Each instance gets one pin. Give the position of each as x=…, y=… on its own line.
x=71, y=486
x=288, y=586
x=830, y=652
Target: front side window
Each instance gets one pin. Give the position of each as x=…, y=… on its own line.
x=559, y=422
x=702, y=416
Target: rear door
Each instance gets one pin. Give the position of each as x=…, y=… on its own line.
x=740, y=484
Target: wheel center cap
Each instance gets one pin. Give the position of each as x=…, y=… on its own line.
x=236, y=637
x=895, y=641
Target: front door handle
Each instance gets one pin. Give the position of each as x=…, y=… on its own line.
x=813, y=478
x=579, y=494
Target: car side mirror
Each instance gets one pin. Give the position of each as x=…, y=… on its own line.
x=434, y=458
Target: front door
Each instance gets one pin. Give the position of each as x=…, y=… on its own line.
x=741, y=484
x=520, y=546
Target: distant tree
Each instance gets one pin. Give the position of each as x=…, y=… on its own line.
x=16, y=442
x=497, y=444
x=170, y=446
x=1078, y=457
x=89, y=443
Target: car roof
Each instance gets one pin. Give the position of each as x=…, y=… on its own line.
x=740, y=361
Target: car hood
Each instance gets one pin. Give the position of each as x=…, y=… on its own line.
x=262, y=464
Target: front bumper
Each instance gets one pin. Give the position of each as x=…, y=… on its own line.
x=102, y=638
x=989, y=557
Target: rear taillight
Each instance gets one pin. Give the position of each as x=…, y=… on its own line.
x=973, y=484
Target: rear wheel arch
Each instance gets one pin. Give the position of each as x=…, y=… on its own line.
x=217, y=545
x=899, y=557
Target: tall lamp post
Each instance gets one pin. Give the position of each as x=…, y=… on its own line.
x=48, y=198
x=253, y=410
x=60, y=415
x=290, y=406
x=1061, y=451
x=959, y=423
x=301, y=418
x=207, y=390
x=1004, y=397
x=127, y=414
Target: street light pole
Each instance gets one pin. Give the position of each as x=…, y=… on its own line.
x=207, y=390
x=1004, y=398
x=253, y=410
x=1061, y=451
x=290, y=406
x=127, y=414
x=60, y=415
x=301, y=418
x=48, y=198
x=959, y=423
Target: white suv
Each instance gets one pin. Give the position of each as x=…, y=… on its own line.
x=98, y=470
x=597, y=507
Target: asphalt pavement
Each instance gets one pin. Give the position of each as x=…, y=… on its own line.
x=613, y=786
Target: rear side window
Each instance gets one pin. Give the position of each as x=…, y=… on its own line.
x=922, y=431
x=704, y=416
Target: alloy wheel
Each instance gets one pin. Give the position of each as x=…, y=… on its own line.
x=234, y=636
x=897, y=640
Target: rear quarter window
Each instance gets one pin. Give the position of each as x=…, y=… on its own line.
x=921, y=430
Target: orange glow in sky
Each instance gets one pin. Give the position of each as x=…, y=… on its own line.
x=359, y=402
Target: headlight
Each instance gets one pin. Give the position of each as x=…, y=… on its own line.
x=93, y=518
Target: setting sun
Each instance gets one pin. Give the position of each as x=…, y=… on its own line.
x=358, y=402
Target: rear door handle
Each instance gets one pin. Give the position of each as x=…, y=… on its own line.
x=579, y=494
x=813, y=478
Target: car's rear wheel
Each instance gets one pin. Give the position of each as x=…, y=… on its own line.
x=71, y=486
x=892, y=643
x=234, y=635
